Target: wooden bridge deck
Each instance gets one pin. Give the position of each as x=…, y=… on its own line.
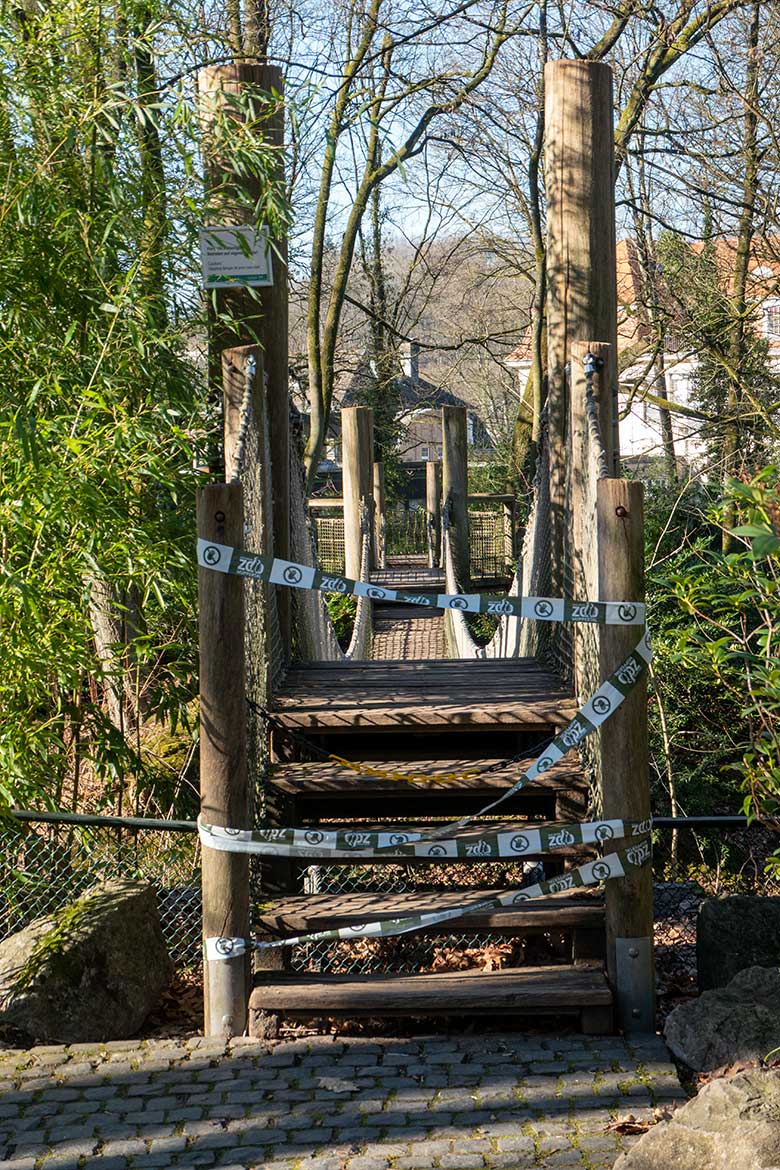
x=456, y=695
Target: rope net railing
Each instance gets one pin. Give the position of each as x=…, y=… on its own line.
x=506, y=640
x=360, y=643
x=316, y=639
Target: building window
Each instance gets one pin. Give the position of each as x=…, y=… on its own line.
x=425, y=452
x=772, y=315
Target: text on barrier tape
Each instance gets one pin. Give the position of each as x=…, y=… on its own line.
x=355, y=843
x=223, y=558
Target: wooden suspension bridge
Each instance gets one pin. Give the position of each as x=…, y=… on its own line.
x=272, y=719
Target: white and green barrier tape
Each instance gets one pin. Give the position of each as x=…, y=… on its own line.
x=614, y=865
x=223, y=558
x=357, y=844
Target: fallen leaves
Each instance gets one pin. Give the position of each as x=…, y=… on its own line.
x=633, y=1124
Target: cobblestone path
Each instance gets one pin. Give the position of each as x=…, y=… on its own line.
x=491, y=1101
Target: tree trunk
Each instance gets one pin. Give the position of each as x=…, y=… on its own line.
x=739, y=308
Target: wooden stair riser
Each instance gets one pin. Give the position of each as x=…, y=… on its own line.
x=519, y=992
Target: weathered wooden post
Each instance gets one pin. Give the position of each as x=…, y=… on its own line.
x=241, y=316
x=224, y=786
x=455, y=489
x=581, y=281
x=357, y=445
x=380, y=519
x=433, y=511
x=624, y=755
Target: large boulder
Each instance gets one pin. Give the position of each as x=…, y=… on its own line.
x=735, y=1023
x=94, y=971
x=734, y=933
x=731, y=1125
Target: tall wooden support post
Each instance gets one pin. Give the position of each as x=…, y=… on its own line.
x=624, y=756
x=455, y=488
x=433, y=511
x=223, y=766
x=380, y=518
x=581, y=282
x=251, y=93
x=357, y=445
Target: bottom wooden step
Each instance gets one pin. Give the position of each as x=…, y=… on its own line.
x=520, y=991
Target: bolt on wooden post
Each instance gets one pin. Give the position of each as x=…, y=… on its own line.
x=357, y=445
x=624, y=755
x=224, y=783
x=433, y=511
x=455, y=489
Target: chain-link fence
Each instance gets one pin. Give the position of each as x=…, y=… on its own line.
x=45, y=866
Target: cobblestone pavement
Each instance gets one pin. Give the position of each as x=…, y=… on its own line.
x=321, y=1103
x=409, y=639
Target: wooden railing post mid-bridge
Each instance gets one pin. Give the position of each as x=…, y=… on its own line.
x=623, y=752
x=357, y=445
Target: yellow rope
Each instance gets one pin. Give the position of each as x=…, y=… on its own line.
x=411, y=777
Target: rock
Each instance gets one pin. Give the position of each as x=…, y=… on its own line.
x=735, y=1023
x=731, y=1125
x=94, y=971
x=734, y=933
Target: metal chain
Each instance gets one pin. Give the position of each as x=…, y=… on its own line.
x=591, y=365
x=246, y=417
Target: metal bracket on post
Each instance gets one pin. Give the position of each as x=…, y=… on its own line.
x=634, y=977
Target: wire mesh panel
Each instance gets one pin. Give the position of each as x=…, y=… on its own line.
x=45, y=867
x=329, y=532
x=487, y=543
x=406, y=532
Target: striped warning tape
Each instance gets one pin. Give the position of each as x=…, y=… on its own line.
x=590, y=716
x=614, y=865
x=223, y=558
x=355, y=843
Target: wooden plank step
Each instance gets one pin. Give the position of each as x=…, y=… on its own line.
x=469, y=695
x=325, y=789
x=563, y=990
x=308, y=912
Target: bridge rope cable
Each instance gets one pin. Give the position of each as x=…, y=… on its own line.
x=591, y=365
x=361, y=631
x=245, y=419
